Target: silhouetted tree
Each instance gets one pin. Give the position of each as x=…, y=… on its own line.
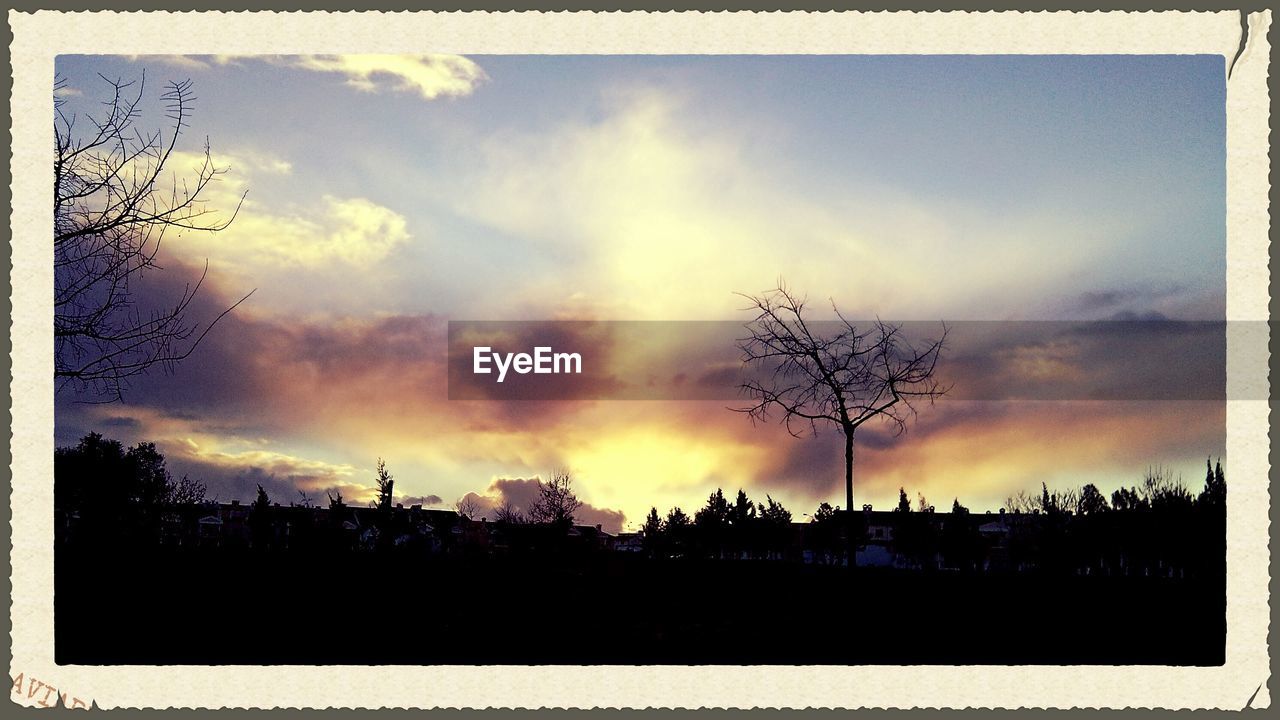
x=1214, y=493
x=922, y=503
x=1128, y=500
x=1048, y=502
x=117, y=495
x=337, y=514
x=1020, y=503
x=1163, y=492
x=556, y=503
x=675, y=528
x=904, y=505
x=712, y=522
x=742, y=521
x=844, y=380
x=467, y=507
x=775, y=521
x=743, y=510
x=260, y=520
x=385, y=484
x=961, y=544
x=508, y=514
x=111, y=210
x=715, y=513
x=652, y=533
x=1092, y=501
x=774, y=512
x=826, y=530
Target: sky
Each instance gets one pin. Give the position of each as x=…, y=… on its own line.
x=388, y=195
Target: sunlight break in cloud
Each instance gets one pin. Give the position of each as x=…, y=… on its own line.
x=353, y=231
x=431, y=75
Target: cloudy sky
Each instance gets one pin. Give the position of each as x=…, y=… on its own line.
x=389, y=195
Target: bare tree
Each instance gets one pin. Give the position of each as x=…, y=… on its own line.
x=112, y=206
x=922, y=503
x=508, y=514
x=467, y=507
x=1021, y=503
x=843, y=379
x=187, y=492
x=556, y=502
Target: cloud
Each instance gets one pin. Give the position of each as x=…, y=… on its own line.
x=423, y=500
x=347, y=232
x=649, y=212
x=233, y=466
x=429, y=76
x=522, y=493
x=1138, y=303
x=309, y=404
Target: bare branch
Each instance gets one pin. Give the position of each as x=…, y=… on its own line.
x=111, y=212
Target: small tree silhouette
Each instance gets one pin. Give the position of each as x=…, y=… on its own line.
x=1092, y=501
x=386, y=484
x=676, y=528
x=467, y=507
x=260, y=520
x=508, y=514
x=652, y=533
x=556, y=503
x=844, y=379
x=1215, y=487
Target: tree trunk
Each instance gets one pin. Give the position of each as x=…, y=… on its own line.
x=848, y=471
x=851, y=545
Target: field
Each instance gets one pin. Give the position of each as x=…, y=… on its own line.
x=245, y=608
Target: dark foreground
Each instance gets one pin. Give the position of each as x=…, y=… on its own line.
x=242, y=608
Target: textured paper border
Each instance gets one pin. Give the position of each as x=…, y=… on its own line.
x=39, y=37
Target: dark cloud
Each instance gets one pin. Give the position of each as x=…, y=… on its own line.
x=1102, y=300
x=521, y=493
x=1131, y=316
x=225, y=484
x=814, y=466
x=423, y=500
x=1124, y=302
x=1104, y=360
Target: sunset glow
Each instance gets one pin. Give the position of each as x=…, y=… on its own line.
x=388, y=195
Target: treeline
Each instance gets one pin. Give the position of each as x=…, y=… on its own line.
x=725, y=529
x=115, y=493
x=108, y=494
x=1159, y=491
x=1156, y=528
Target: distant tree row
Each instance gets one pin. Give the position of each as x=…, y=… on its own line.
x=742, y=528
x=1159, y=492
x=111, y=493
